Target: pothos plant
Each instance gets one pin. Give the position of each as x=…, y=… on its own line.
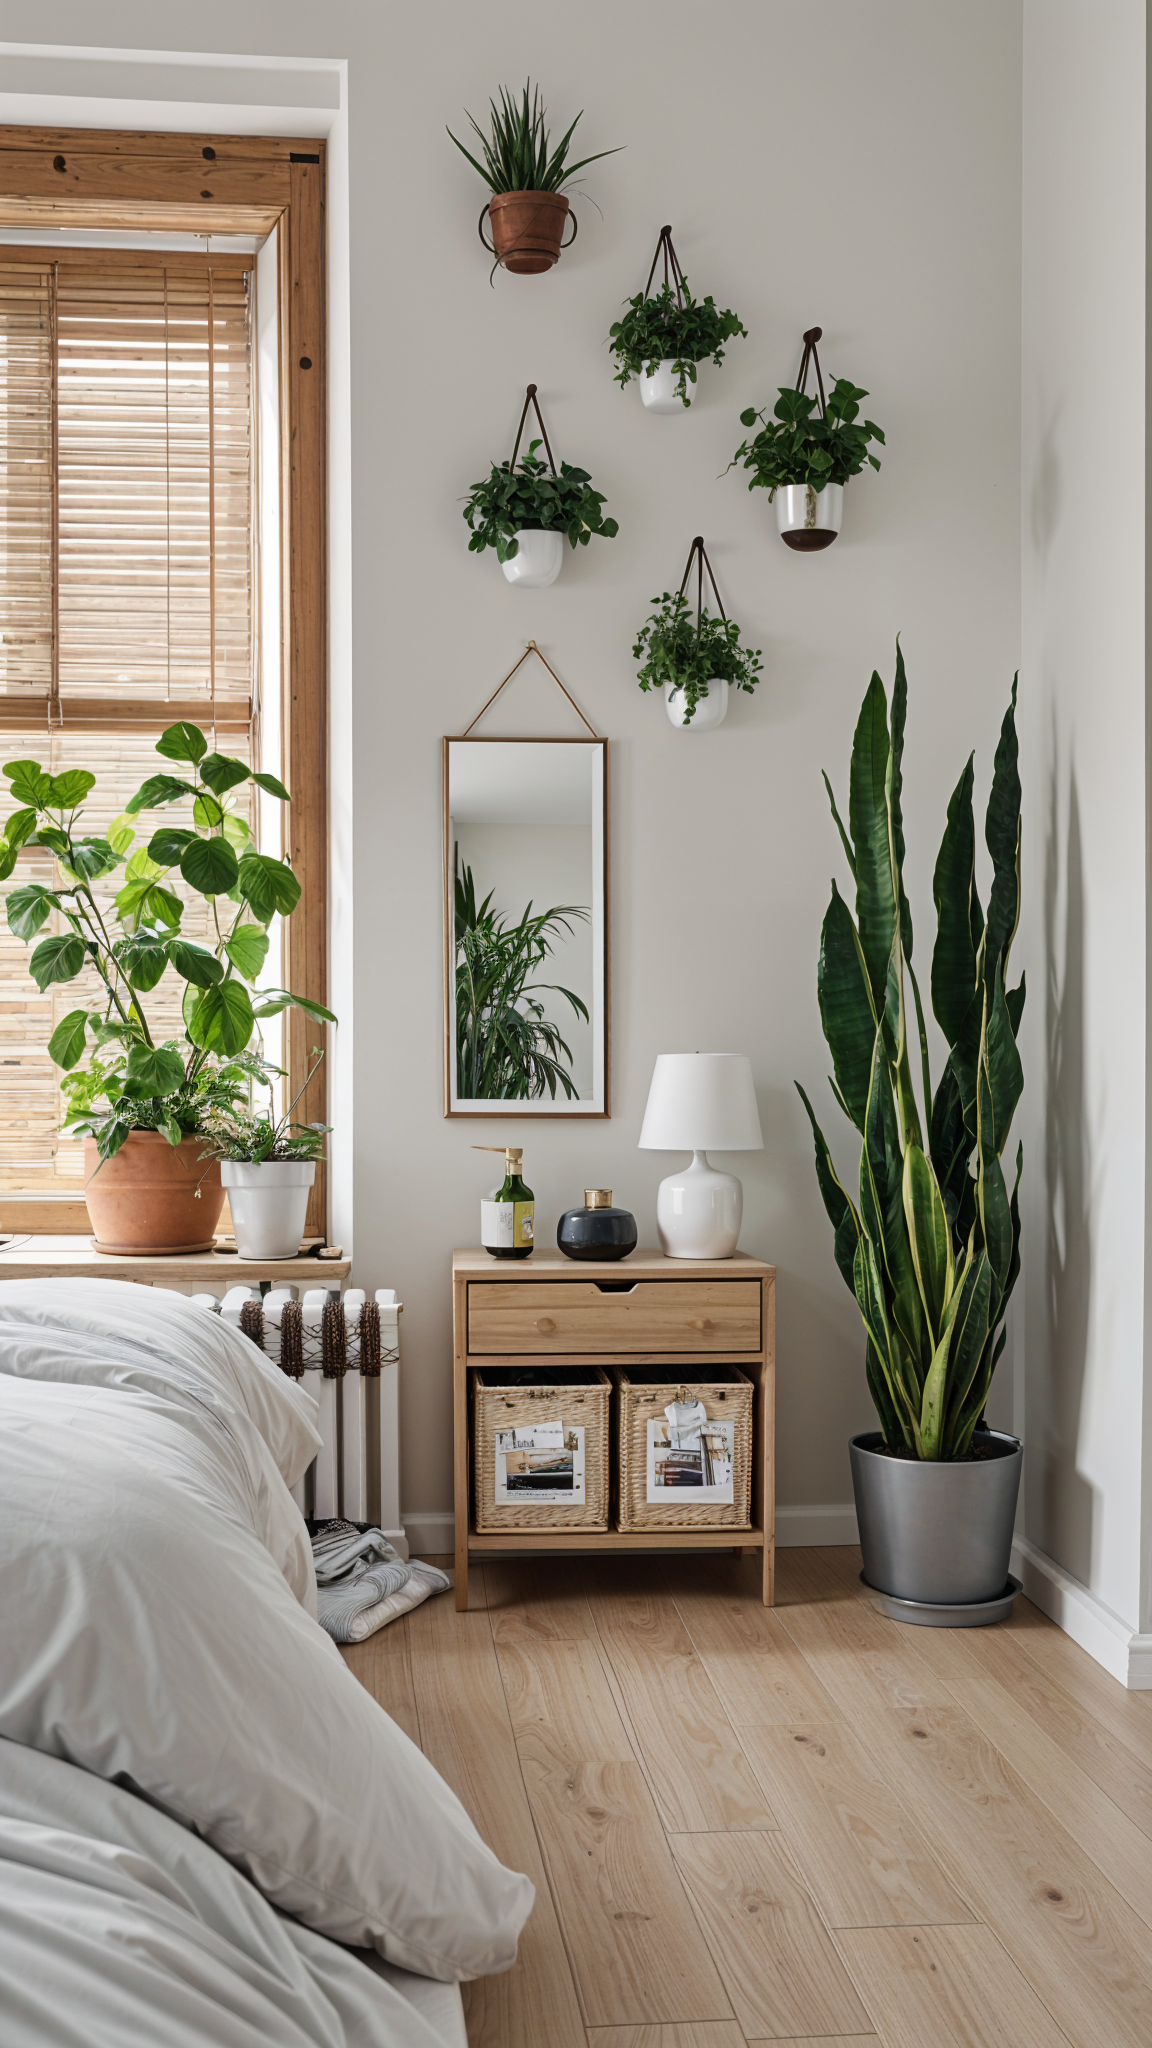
x=688, y=650
x=531, y=495
x=802, y=445
x=931, y=1250
x=135, y=1081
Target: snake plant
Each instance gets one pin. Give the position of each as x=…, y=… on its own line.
x=932, y=1250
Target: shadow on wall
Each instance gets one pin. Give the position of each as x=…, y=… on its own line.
x=1058, y=1364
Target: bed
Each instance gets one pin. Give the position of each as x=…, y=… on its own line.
x=210, y=1834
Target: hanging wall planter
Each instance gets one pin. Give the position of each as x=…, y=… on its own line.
x=527, y=212
x=697, y=663
x=804, y=455
x=524, y=509
x=661, y=339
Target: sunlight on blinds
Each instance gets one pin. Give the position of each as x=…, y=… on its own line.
x=126, y=580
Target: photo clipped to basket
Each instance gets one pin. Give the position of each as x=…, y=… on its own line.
x=688, y=1454
x=543, y=1461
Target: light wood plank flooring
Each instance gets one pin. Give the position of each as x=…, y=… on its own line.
x=804, y=1825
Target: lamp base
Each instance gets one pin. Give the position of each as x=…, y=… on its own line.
x=699, y=1212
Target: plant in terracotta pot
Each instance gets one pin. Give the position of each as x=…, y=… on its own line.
x=804, y=455
x=524, y=509
x=661, y=338
x=524, y=174
x=267, y=1165
x=141, y=1101
x=931, y=1247
x=696, y=660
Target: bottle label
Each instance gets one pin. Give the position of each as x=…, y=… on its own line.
x=506, y=1226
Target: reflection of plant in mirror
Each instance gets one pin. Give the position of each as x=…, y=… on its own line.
x=133, y=1083
x=506, y=1050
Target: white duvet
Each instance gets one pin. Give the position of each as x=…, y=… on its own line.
x=157, y=1629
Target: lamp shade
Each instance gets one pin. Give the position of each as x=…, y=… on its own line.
x=700, y=1102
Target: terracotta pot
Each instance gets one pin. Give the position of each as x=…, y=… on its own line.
x=145, y=1200
x=527, y=229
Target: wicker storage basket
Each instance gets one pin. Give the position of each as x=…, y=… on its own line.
x=643, y=1397
x=514, y=1398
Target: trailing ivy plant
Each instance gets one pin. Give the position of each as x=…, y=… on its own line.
x=799, y=446
x=932, y=1250
x=671, y=327
x=134, y=1081
x=518, y=154
x=529, y=494
x=688, y=650
x=506, y=1048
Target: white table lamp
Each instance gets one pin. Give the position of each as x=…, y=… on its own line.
x=700, y=1101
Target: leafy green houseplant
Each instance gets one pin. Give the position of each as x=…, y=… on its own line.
x=681, y=653
x=807, y=451
x=670, y=326
x=517, y=159
x=136, y=1082
x=930, y=1246
x=506, y=1048
x=267, y=1165
x=529, y=495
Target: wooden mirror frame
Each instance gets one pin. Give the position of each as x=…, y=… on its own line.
x=546, y=1107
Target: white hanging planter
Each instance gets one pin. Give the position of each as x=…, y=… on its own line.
x=538, y=559
x=809, y=519
x=269, y=1203
x=710, y=711
x=659, y=390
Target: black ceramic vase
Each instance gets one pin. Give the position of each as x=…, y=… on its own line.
x=597, y=1231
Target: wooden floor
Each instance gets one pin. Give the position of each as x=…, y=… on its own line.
x=800, y=1824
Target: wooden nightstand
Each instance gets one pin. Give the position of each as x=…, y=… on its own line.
x=645, y=1310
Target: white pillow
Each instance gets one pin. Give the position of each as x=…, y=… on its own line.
x=150, y=1637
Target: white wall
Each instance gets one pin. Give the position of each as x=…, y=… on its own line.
x=1082, y=1403
x=857, y=166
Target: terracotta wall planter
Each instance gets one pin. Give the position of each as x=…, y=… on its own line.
x=527, y=228
x=144, y=1200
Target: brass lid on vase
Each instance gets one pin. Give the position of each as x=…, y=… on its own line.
x=597, y=1198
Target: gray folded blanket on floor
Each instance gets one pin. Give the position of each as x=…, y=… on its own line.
x=363, y=1582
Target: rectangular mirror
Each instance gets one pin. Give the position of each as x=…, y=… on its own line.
x=526, y=927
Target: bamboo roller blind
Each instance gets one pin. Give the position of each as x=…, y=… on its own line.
x=126, y=578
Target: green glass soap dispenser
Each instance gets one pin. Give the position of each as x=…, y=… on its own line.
x=507, y=1216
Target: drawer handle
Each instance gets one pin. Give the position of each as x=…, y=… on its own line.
x=700, y=1323
x=616, y=1286
x=545, y=1325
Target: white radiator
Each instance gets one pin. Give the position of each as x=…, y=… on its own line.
x=345, y=1349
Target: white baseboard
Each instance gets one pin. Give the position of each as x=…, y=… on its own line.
x=1124, y=1654
x=430, y=1532
x=817, y=1526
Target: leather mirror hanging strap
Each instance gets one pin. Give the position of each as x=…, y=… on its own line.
x=698, y=553
x=533, y=649
x=672, y=271
x=531, y=399
x=811, y=337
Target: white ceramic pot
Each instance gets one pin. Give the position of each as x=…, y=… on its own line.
x=659, y=390
x=538, y=559
x=699, y=1212
x=809, y=519
x=710, y=711
x=268, y=1203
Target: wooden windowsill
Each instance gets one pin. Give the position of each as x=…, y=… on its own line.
x=43, y=1256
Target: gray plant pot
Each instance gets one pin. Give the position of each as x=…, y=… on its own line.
x=937, y=1532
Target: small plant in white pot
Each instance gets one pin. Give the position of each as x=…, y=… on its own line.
x=267, y=1166
x=696, y=661
x=661, y=338
x=524, y=509
x=931, y=1250
x=804, y=455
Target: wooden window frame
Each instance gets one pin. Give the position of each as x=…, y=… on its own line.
x=121, y=180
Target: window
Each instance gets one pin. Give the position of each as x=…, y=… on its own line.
x=136, y=451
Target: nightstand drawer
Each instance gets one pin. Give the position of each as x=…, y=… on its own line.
x=578, y=1316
